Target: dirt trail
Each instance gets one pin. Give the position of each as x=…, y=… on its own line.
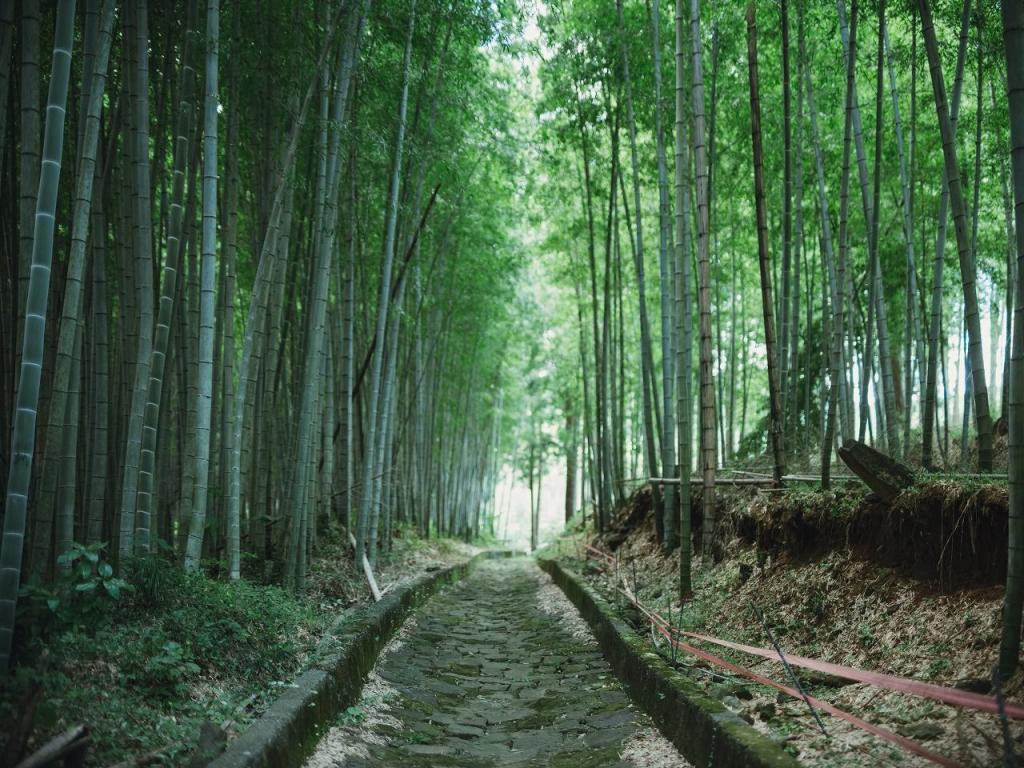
x=499, y=670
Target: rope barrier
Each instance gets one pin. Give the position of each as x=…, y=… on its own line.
x=951, y=696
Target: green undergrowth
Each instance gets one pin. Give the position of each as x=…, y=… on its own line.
x=142, y=661
x=144, y=657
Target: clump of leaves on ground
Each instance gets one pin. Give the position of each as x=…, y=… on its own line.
x=142, y=659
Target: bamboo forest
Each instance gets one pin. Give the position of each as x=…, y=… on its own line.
x=539, y=383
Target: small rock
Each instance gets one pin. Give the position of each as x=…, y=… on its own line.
x=924, y=731
x=974, y=685
x=212, y=741
x=633, y=616
x=813, y=677
x=721, y=690
x=731, y=702
x=745, y=572
x=786, y=742
x=465, y=731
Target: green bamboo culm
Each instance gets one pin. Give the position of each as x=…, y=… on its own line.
x=207, y=280
x=25, y=408
x=1009, y=649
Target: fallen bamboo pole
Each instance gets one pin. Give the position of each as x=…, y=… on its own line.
x=368, y=570
x=754, y=481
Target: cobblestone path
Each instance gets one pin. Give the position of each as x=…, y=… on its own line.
x=498, y=670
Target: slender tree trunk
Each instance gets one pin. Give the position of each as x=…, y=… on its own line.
x=881, y=309
x=668, y=448
x=684, y=361
x=877, y=309
x=1009, y=310
x=792, y=410
x=376, y=380
x=227, y=300
x=267, y=265
x=1009, y=649
x=934, y=334
x=59, y=438
x=571, y=451
x=99, y=328
x=647, y=357
x=707, y=375
x=28, y=155
x=774, y=400
x=844, y=272
x=142, y=245
x=611, y=240
x=384, y=425
x=168, y=285
x=785, y=301
x=603, y=491
x=968, y=268
x=913, y=330
x=6, y=70
x=835, y=298
x=207, y=281
x=23, y=435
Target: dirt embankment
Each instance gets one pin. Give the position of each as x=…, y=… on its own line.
x=946, y=534
x=913, y=589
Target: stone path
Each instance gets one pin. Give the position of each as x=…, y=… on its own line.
x=499, y=670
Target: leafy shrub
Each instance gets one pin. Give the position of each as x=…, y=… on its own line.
x=157, y=580
x=84, y=592
x=139, y=657
x=170, y=667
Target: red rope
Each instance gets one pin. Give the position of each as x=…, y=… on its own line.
x=946, y=695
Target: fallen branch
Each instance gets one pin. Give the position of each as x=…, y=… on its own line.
x=72, y=741
x=368, y=570
x=751, y=478
x=23, y=727
x=156, y=757
x=882, y=474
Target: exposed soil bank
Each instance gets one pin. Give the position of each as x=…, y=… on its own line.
x=828, y=597
x=945, y=534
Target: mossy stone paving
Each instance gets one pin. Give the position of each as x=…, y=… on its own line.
x=487, y=678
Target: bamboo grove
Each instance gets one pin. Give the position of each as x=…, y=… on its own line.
x=250, y=292
x=279, y=269
x=777, y=229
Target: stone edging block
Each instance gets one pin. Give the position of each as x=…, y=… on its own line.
x=704, y=730
x=290, y=729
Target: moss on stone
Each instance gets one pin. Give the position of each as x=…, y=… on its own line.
x=702, y=729
x=290, y=729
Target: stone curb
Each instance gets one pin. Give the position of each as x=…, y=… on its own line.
x=287, y=732
x=704, y=730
